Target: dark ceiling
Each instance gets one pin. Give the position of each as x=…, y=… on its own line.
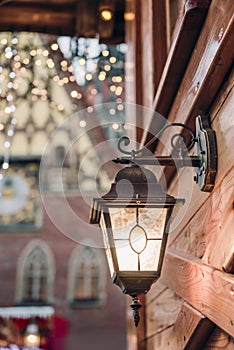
x=64, y=17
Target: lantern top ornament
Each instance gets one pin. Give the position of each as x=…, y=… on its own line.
x=133, y=182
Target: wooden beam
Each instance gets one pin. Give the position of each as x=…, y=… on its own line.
x=209, y=65
x=57, y=21
x=208, y=290
x=219, y=340
x=162, y=312
x=178, y=57
x=191, y=330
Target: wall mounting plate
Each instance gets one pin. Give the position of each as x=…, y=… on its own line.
x=205, y=148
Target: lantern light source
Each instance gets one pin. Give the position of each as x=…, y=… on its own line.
x=134, y=216
x=32, y=337
x=106, y=14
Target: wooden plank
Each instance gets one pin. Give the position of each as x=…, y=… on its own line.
x=155, y=291
x=210, y=61
x=154, y=48
x=191, y=330
x=147, y=52
x=159, y=36
x=162, y=312
x=133, y=67
x=159, y=340
x=38, y=19
x=208, y=290
x=207, y=208
x=219, y=340
x=209, y=231
x=209, y=64
x=177, y=61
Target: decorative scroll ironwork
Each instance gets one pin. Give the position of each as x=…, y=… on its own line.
x=179, y=146
x=204, y=159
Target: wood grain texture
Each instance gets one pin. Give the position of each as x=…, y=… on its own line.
x=209, y=233
x=220, y=340
x=176, y=63
x=158, y=341
x=190, y=331
x=209, y=291
x=147, y=50
x=162, y=312
x=206, y=215
x=209, y=63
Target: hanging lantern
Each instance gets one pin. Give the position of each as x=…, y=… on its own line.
x=134, y=218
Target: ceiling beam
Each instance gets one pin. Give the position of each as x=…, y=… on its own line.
x=60, y=21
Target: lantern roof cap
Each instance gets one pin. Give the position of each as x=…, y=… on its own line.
x=135, y=182
x=136, y=174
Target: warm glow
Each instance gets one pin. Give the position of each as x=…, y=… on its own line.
x=4, y=41
x=115, y=126
x=32, y=340
x=88, y=76
x=63, y=63
x=45, y=53
x=82, y=61
x=120, y=107
x=112, y=88
x=105, y=53
x=112, y=111
x=101, y=77
x=90, y=109
x=107, y=67
x=118, y=79
x=106, y=14
x=129, y=16
x=138, y=237
x=54, y=46
x=74, y=93
x=112, y=59
x=82, y=123
x=26, y=61
x=50, y=63
x=8, y=54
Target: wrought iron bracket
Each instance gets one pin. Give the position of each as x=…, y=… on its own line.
x=204, y=159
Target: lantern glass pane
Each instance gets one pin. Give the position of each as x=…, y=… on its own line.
x=122, y=221
x=137, y=236
x=153, y=221
x=106, y=245
x=149, y=258
x=127, y=259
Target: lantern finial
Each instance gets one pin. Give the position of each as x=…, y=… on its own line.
x=136, y=305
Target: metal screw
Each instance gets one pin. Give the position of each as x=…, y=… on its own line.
x=197, y=87
x=220, y=34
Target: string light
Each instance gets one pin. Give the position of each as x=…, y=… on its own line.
x=20, y=64
x=11, y=52
x=97, y=69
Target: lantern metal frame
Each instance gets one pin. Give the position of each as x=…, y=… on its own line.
x=146, y=192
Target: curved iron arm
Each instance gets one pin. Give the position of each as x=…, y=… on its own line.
x=204, y=158
x=126, y=141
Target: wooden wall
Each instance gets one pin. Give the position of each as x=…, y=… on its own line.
x=192, y=306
